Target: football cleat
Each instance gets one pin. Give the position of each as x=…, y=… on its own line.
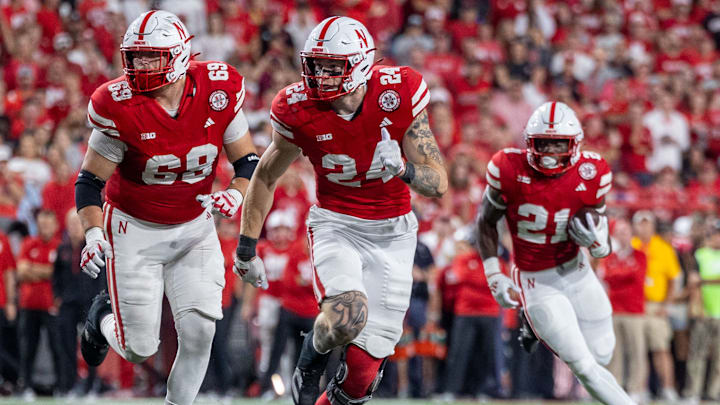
x=305, y=384
x=527, y=338
x=93, y=345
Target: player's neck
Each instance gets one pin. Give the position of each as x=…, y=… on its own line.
x=349, y=103
x=170, y=96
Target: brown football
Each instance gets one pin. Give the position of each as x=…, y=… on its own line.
x=581, y=214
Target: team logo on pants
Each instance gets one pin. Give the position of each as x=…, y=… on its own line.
x=389, y=100
x=218, y=100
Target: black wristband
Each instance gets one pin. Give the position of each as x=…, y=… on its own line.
x=88, y=190
x=245, y=166
x=409, y=174
x=246, y=248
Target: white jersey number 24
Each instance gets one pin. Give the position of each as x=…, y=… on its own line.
x=349, y=169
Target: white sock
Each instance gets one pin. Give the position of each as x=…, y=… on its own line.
x=107, y=327
x=195, y=336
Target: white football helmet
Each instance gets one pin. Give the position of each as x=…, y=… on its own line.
x=161, y=33
x=553, y=121
x=340, y=39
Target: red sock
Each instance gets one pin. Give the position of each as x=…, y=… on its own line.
x=362, y=370
x=323, y=399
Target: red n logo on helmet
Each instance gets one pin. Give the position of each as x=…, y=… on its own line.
x=361, y=36
x=180, y=30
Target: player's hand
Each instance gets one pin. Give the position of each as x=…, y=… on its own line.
x=247, y=265
x=95, y=253
x=594, y=236
x=251, y=271
x=390, y=154
x=506, y=293
x=226, y=202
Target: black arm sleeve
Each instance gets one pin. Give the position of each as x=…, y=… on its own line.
x=88, y=190
x=245, y=166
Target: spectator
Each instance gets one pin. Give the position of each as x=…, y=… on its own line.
x=298, y=311
x=219, y=364
x=670, y=135
x=38, y=308
x=475, y=327
x=8, y=295
x=275, y=253
x=661, y=286
x=217, y=44
x=412, y=37
x=705, y=331
x=624, y=274
x=73, y=292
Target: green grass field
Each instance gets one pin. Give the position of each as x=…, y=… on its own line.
x=156, y=401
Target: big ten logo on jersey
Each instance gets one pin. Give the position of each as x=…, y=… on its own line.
x=296, y=94
x=198, y=164
x=120, y=91
x=536, y=230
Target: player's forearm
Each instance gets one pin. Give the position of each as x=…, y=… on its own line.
x=240, y=184
x=258, y=201
x=428, y=180
x=487, y=239
x=91, y=216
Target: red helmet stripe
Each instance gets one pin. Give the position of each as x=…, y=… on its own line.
x=324, y=30
x=144, y=23
x=552, y=113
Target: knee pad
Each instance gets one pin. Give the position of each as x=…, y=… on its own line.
x=141, y=348
x=195, y=330
x=357, y=378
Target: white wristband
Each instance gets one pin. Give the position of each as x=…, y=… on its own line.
x=491, y=265
x=94, y=233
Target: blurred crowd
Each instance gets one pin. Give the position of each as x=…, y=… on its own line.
x=642, y=75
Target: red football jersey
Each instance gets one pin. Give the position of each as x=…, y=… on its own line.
x=168, y=160
x=539, y=206
x=275, y=261
x=298, y=296
x=350, y=177
x=7, y=263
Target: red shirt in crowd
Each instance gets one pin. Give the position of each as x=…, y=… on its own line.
x=298, y=296
x=228, y=250
x=59, y=197
x=275, y=260
x=473, y=297
x=625, y=278
x=447, y=286
x=7, y=263
x=37, y=295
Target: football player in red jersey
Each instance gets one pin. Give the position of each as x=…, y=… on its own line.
x=539, y=190
x=365, y=130
x=157, y=133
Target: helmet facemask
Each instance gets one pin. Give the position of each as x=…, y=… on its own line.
x=142, y=80
x=328, y=77
x=552, y=162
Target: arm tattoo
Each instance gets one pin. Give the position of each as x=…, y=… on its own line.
x=346, y=314
x=429, y=179
x=421, y=135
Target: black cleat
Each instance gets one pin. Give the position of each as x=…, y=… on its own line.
x=93, y=345
x=527, y=338
x=305, y=384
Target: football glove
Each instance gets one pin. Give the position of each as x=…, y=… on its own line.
x=95, y=253
x=251, y=271
x=390, y=154
x=225, y=202
x=500, y=284
x=248, y=266
x=594, y=237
